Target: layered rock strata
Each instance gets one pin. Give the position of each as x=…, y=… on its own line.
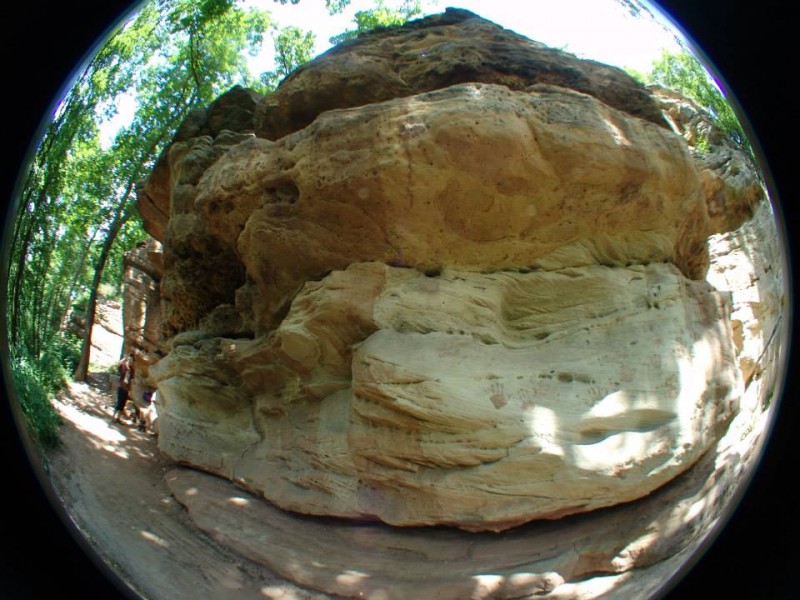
x=434, y=53
x=732, y=187
x=474, y=176
x=480, y=401
x=464, y=291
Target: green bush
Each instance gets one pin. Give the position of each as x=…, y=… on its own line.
x=36, y=382
x=66, y=351
x=81, y=302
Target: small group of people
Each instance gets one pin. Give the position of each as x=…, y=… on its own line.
x=127, y=370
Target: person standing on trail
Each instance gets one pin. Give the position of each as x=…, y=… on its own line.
x=126, y=372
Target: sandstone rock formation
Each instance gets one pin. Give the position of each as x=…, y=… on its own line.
x=144, y=269
x=731, y=187
x=744, y=252
x=480, y=401
x=446, y=276
x=543, y=178
x=628, y=551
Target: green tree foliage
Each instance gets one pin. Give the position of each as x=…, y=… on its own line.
x=684, y=73
x=380, y=16
x=293, y=47
x=77, y=201
x=76, y=214
x=334, y=6
x=35, y=383
x=37, y=379
x=204, y=56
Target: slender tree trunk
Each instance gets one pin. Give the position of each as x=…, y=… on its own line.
x=120, y=218
x=40, y=281
x=65, y=308
x=28, y=221
x=14, y=291
x=31, y=218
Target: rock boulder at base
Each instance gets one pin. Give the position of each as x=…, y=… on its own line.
x=475, y=400
x=444, y=275
x=473, y=176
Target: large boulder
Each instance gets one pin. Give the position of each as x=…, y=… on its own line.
x=447, y=276
x=473, y=176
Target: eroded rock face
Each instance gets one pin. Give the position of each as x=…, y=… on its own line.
x=747, y=261
x=201, y=272
x=144, y=269
x=732, y=189
x=233, y=112
x=481, y=401
x=467, y=291
x=475, y=176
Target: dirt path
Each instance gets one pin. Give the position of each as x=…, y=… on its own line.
x=110, y=477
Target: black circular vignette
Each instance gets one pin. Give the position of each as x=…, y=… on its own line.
x=43, y=45
x=749, y=43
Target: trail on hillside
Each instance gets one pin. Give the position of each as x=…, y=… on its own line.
x=110, y=478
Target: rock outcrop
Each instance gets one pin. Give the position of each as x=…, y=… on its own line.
x=480, y=401
x=232, y=112
x=446, y=276
x=732, y=188
x=543, y=178
x=434, y=53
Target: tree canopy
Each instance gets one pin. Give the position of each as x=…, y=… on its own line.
x=76, y=211
x=293, y=47
x=76, y=216
x=380, y=16
x=685, y=73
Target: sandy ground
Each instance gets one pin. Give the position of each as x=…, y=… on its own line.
x=110, y=478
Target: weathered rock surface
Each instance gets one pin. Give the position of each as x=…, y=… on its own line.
x=627, y=551
x=475, y=176
x=731, y=187
x=747, y=262
x=200, y=271
x=433, y=53
x=233, y=112
x=144, y=269
x=455, y=295
x=481, y=401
